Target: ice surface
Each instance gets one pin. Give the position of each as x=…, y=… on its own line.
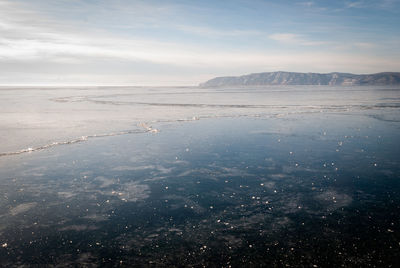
x=266, y=176
x=39, y=118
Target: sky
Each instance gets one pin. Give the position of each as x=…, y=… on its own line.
x=168, y=43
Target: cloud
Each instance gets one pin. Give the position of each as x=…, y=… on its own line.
x=28, y=36
x=365, y=45
x=295, y=39
x=357, y=4
x=207, y=31
x=285, y=37
x=387, y=5
x=307, y=4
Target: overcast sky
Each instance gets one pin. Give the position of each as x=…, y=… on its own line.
x=128, y=42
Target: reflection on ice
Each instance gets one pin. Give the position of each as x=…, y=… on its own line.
x=132, y=191
x=22, y=208
x=332, y=200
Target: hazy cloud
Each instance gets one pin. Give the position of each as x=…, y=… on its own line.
x=295, y=39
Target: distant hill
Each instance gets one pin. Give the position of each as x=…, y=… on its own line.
x=290, y=78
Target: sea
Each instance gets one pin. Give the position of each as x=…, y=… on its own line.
x=264, y=176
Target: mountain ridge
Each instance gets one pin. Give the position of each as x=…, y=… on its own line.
x=295, y=78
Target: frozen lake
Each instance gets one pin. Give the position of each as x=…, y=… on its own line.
x=299, y=176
